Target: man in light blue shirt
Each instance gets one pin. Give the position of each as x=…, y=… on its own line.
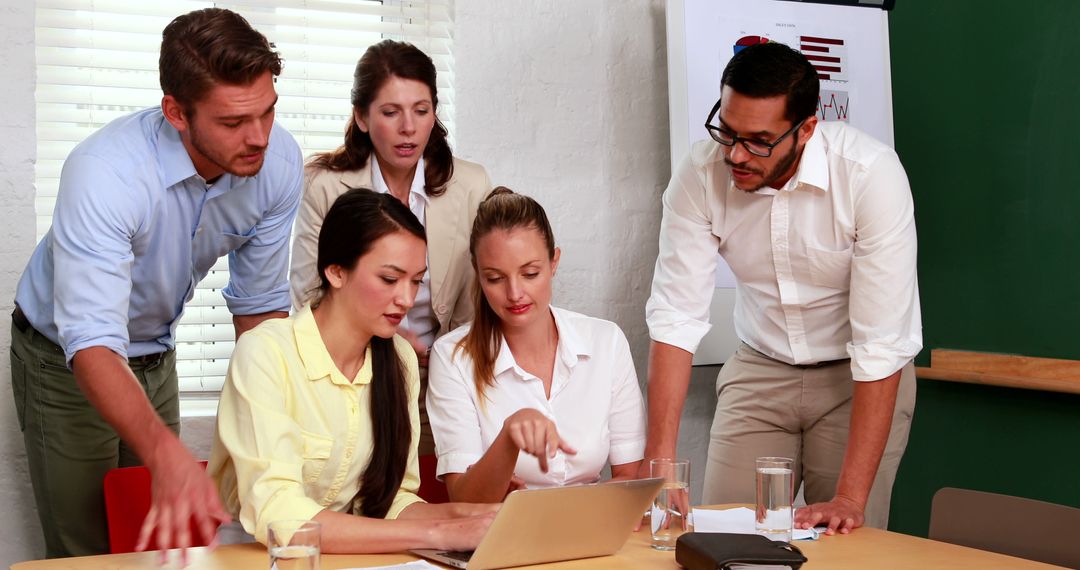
x=145, y=207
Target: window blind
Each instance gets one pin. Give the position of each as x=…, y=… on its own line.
x=97, y=60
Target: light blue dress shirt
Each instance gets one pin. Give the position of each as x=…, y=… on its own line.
x=136, y=228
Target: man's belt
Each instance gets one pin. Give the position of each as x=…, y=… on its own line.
x=22, y=324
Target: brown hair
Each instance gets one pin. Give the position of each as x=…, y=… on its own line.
x=357, y=220
x=211, y=46
x=501, y=210
x=379, y=63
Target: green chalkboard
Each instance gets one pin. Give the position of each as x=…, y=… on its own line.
x=986, y=97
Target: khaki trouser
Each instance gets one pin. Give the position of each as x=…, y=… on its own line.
x=68, y=445
x=426, y=441
x=769, y=408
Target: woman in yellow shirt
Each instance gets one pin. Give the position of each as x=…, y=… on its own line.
x=318, y=417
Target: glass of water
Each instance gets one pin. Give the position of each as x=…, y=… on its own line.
x=671, y=515
x=294, y=545
x=775, y=493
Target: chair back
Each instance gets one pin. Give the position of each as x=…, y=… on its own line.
x=127, y=502
x=431, y=489
x=1025, y=528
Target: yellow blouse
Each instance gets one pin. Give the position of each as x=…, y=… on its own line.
x=293, y=433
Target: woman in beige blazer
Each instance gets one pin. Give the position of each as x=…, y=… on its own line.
x=395, y=143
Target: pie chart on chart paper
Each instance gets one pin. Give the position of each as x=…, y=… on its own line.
x=747, y=41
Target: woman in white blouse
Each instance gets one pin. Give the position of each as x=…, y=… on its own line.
x=318, y=415
x=529, y=394
x=395, y=144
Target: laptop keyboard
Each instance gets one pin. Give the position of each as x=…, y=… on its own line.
x=458, y=555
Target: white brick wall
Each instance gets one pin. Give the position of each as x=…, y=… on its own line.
x=567, y=102
x=21, y=535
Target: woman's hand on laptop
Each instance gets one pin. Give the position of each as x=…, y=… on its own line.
x=463, y=533
x=535, y=434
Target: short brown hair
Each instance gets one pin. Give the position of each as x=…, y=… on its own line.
x=211, y=46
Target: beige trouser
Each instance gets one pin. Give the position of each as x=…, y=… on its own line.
x=769, y=408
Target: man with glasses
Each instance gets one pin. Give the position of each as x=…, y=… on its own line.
x=816, y=221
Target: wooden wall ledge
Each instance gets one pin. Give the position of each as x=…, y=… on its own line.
x=1050, y=374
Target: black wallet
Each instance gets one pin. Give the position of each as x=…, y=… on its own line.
x=721, y=551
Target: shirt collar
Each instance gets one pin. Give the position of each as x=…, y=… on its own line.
x=813, y=166
x=173, y=158
x=416, y=191
x=316, y=358
x=176, y=164
x=570, y=350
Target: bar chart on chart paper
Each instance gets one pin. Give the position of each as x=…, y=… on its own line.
x=827, y=55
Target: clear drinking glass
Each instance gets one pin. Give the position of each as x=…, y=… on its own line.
x=775, y=493
x=671, y=515
x=294, y=545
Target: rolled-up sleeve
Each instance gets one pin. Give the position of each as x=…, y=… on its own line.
x=627, y=420
x=93, y=256
x=259, y=269
x=886, y=322
x=677, y=312
x=264, y=443
x=452, y=411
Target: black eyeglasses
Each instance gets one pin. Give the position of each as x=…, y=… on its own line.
x=753, y=146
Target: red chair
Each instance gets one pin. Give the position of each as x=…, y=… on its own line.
x=127, y=501
x=431, y=489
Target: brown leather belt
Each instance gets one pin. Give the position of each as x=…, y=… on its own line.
x=821, y=364
x=19, y=320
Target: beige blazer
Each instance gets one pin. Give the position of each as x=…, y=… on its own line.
x=449, y=222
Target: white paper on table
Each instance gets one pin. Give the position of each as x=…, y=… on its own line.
x=738, y=521
x=414, y=565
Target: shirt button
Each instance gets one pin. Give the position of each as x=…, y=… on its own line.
x=441, y=309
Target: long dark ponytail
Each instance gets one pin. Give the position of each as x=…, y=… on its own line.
x=354, y=223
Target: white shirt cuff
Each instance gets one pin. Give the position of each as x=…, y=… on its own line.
x=455, y=463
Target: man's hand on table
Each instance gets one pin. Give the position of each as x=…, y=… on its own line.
x=182, y=493
x=841, y=515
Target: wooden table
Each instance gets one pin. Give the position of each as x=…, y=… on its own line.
x=866, y=548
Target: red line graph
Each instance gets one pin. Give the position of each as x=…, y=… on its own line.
x=833, y=106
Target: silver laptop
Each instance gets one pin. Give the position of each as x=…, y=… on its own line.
x=535, y=526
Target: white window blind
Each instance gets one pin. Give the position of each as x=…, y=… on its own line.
x=97, y=60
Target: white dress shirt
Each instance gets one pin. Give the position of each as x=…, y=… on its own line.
x=824, y=267
x=595, y=402
x=420, y=320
